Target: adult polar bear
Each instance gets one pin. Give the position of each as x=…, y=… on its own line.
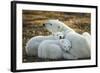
x=33, y=44
x=80, y=46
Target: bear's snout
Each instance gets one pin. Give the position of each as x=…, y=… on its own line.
x=61, y=37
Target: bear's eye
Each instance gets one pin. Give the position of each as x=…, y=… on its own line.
x=50, y=24
x=58, y=26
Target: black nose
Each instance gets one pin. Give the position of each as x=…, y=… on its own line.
x=60, y=37
x=43, y=24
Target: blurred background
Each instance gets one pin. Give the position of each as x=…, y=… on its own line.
x=33, y=20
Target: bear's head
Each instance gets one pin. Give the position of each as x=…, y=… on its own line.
x=54, y=26
x=58, y=35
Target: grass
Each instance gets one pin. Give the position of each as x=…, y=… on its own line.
x=33, y=20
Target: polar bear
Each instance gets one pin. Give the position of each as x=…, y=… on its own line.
x=80, y=47
x=87, y=37
x=34, y=42
x=55, y=49
x=54, y=26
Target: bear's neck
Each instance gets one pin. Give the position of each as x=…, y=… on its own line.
x=66, y=29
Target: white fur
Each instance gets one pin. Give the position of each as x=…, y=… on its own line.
x=87, y=37
x=34, y=42
x=55, y=49
x=54, y=26
x=64, y=44
x=80, y=47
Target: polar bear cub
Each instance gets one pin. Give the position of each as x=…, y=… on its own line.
x=55, y=49
x=34, y=42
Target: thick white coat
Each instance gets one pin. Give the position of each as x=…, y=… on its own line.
x=34, y=42
x=87, y=37
x=80, y=47
x=55, y=49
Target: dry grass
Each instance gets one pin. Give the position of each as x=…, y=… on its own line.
x=33, y=20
